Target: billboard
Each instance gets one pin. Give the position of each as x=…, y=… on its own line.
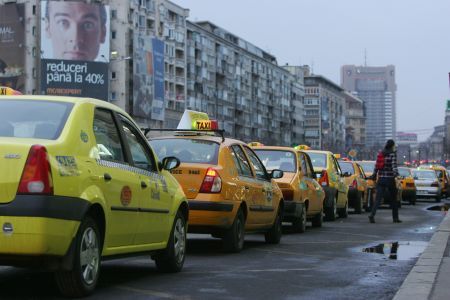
x=148, y=77
x=12, y=49
x=74, y=49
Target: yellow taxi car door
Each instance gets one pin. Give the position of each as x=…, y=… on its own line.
x=119, y=184
x=248, y=182
x=265, y=205
x=341, y=186
x=153, y=194
x=311, y=186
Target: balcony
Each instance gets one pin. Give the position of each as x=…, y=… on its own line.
x=180, y=80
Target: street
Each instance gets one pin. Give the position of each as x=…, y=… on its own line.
x=323, y=263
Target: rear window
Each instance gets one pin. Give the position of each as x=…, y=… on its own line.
x=318, y=160
x=424, y=174
x=276, y=159
x=33, y=119
x=187, y=150
x=404, y=172
x=368, y=167
x=347, y=167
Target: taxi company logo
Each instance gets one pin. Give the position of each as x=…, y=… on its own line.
x=125, y=196
x=7, y=228
x=12, y=156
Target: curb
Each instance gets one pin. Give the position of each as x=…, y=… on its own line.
x=421, y=279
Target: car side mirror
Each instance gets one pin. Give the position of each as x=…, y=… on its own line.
x=275, y=174
x=170, y=162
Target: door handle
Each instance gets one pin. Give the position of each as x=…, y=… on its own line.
x=107, y=177
x=143, y=185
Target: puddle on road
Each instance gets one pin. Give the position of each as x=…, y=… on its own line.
x=398, y=250
x=427, y=229
x=440, y=207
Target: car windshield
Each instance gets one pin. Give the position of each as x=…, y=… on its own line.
x=404, y=172
x=367, y=166
x=422, y=174
x=347, y=167
x=318, y=160
x=276, y=159
x=187, y=150
x=33, y=119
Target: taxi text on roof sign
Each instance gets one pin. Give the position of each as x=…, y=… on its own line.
x=204, y=125
x=7, y=91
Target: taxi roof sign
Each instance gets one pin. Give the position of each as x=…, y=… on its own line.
x=7, y=91
x=255, y=144
x=190, y=117
x=302, y=147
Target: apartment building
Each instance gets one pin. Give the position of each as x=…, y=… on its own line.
x=355, y=123
x=242, y=87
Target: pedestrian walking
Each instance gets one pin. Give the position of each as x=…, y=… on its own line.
x=386, y=169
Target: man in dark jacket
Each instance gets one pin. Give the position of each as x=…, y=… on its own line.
x=386, y=185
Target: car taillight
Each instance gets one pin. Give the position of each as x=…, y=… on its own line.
x=355, y=184
x=37, y=174
x=212, y=182
x=435, y=184
x=323, y=181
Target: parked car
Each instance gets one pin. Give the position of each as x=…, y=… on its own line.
x=302, y=194
x=406, y=179
x=330, y=177
x=442, y=175
x=427, y=184
x=80, y=183
x=355, y=179
x=228, y=188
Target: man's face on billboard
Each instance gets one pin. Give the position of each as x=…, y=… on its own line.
x=76, y=30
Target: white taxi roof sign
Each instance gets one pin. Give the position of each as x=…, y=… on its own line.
x=7, y=91
x=190, y=117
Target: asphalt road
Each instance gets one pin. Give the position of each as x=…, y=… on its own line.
x=323, y=263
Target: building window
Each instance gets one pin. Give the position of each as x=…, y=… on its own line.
x=113, y=75
x=34, y=72
x=113, y=14
x=113, y=96
x=34, y=51
x=113, y=35
x=34, y=10
x=34, y=30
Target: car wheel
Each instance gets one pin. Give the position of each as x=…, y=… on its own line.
x=273, y=236
x=82, y=279
x=317, y=221
x=343, y=212
x=331, y=212
x=299, y=224
x=171, y=259
x=233, y=239
x=359, y=203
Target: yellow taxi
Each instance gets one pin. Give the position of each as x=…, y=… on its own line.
x=228, y=188
x=302, y=194
x=406, y=179
x=355, y=179
x=79, y=183
x=330, y=177
x=442, y=175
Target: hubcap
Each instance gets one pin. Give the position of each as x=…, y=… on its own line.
x=89, y=256
x=179, y=240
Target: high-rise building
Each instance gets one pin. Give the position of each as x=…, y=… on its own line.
x=377, y=88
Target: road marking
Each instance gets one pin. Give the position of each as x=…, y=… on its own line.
x=250, y=271
x=153, y=293
x=332, y=242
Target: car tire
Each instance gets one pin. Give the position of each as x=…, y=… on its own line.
x=299, y=224
x=233, y=238
x=273, y=236
x=331, y=212
x=171, y=259
x=343, y=212
x=82, y=279
x=359, y=203
x=317, y=220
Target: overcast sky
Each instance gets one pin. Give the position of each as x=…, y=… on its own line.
x=413, y=35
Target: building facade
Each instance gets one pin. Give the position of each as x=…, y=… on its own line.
x=324, y=106
x=377, y=88
x=242, y=87
x=355, y=123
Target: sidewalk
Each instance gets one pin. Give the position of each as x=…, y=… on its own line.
x=430, y=276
